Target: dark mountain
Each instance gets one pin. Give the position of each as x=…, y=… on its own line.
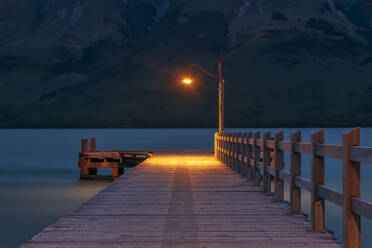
x=118, y=63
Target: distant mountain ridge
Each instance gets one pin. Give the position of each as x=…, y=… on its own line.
x=117, y=63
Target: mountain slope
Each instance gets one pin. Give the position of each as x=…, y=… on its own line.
x=117, y=63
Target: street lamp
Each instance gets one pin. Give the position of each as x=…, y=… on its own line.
x=221, y=91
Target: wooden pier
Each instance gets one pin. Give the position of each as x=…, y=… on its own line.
x=181, y=201
x=231, y=199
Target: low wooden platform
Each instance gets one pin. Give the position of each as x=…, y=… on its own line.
x=181, y=201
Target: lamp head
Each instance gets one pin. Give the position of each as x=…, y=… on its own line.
x=187, y=81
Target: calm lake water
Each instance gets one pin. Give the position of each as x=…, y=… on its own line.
x=39, y=178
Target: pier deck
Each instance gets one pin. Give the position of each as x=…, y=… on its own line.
x=181, y=201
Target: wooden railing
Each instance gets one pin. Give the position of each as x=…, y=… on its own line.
x=262, y=161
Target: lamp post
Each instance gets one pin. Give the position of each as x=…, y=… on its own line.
x=221, y=90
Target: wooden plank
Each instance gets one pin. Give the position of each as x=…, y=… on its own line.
x=317, y=178
x=102, y=155
x=284, y=146
x=330, y=151
x=302, y=147
x=285, y=176
x=303, y=183
x=351, y=189
x=362, y=208
x=270, y=144
x=330, y=195
x=181, y=201
x=361, y=154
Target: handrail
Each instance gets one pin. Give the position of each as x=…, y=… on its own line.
x=253, y=156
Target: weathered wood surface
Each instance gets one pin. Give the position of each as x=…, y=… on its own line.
x=181, y=201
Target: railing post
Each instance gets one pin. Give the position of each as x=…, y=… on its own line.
x=295, y=192
x=219, y=146
x=249, y=156
x=84, y=146
x=224, y=149
x=351, y=188
x=317, y=177
x=93, y=148
x=278, y=165
x=234, y=151
x=93, y=145
x=243, y=167
x=256, y=159
x=239, y=153
x=266, y=161
x=228, y=149
x=84, y=171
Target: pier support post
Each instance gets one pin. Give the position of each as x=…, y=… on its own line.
x=235, y=152
x=295, y=192
x=256, y=159
x=93, y=145
x=243, y=166
x=239, y=153
x=93, y=148
x=249, y=156
x=84, y=171
x=115, y=172
x=225, y=149
x=317, y=178
x=278, y=165
x=216, y=136
x=229, y=150
x=351, y=188
x=266, y=162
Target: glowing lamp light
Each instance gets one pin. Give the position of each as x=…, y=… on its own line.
x=187, y=81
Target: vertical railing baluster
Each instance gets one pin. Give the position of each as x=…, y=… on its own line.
x=256, y=159
x=240, y=152
x=266, y=158
x=234, y=151
x=295, y=192
x=219, y=146
x=244, y=154
x=249, y=157
x=278, y=166
x=317, y=177
x=229, y=150
x=351, y=188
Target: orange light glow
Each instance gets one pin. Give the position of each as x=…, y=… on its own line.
x=187, y=81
